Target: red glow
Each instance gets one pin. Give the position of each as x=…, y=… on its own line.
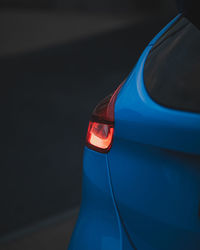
x=100, y=136
x=104, y=111
x=101, y=126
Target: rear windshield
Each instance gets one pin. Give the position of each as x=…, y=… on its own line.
x=172, y=68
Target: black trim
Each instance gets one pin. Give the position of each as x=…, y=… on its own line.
x=172, y=68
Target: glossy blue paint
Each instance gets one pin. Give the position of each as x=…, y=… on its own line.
x=158, y=193
x=154, y=164
x=154, y=40
x=140, y=119
x=145, y=193
x=98, y=226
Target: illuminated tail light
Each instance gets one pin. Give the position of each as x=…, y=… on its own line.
x=101, y=126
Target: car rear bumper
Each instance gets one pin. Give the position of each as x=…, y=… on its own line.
x=99, y=226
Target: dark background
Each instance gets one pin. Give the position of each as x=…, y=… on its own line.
x=58, y=58
x=106, y=5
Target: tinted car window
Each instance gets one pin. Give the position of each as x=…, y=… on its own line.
x=172, y=68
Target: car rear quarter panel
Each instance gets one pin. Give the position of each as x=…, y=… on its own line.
x=157, y=192
x=155, y=168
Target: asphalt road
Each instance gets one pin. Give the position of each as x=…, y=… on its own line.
x=46, y=100
x=51, y=235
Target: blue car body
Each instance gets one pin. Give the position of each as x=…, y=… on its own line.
x=145, y=192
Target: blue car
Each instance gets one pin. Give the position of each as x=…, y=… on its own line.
x=141, y=167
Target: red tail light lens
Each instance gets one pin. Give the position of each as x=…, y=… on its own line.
x=101, y=126
x=100, y=136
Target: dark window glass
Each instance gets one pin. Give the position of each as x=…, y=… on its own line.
x=172, y=69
